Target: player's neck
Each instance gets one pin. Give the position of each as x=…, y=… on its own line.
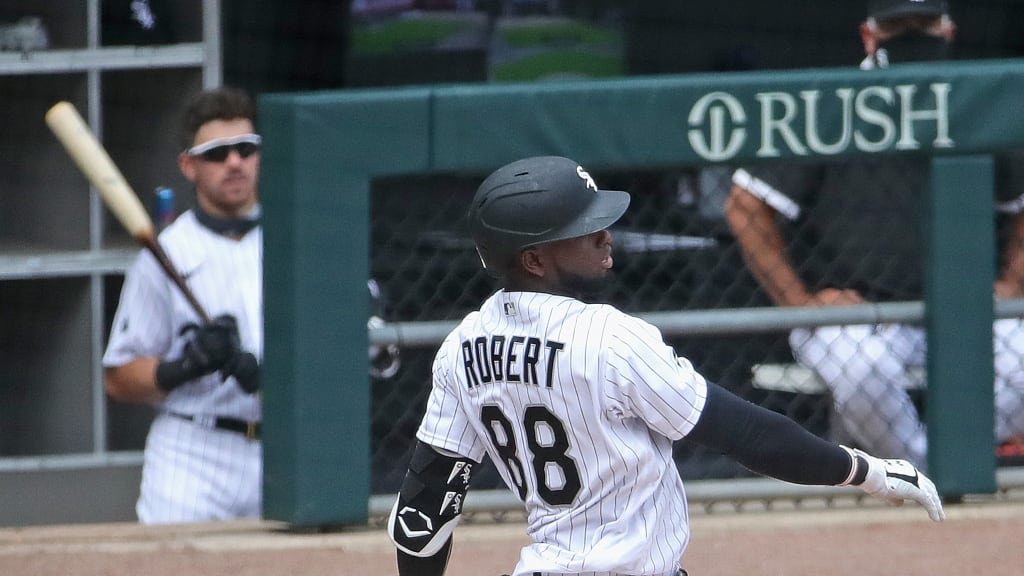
x=538, y=287
x=232, y=227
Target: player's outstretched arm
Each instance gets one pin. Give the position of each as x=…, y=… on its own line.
x=773, y=445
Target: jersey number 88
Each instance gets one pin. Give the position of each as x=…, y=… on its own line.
x=546, y=453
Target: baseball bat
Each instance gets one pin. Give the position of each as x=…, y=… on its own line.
x=94, y=162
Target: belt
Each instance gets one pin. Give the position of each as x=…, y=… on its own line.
x=681, y=572
x=251, y=430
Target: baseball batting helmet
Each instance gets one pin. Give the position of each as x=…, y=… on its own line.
x=537, y=200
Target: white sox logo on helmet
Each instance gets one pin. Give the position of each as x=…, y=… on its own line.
x=585, y=176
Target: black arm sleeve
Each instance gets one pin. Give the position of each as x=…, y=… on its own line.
x=766, y=442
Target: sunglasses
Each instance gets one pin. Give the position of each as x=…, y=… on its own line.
x=218, y=149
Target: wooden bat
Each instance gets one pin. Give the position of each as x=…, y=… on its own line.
x=94, y=162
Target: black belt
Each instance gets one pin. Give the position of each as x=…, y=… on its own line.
x=251, y=430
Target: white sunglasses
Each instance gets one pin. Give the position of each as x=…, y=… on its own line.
x=218, y=149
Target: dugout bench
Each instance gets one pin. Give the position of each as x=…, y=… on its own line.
x=794, y=379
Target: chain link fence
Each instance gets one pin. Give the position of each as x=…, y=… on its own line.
x=674, y=251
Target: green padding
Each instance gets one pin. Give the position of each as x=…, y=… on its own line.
x=357, y=133
x=316, y=398
x=645, y=122
x=959, y=318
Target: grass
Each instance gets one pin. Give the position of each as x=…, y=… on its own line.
x=403, y=35
x=564, y=32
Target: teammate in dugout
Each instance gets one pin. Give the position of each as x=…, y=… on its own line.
x=850, y=232
x=203, y=459
x=578, y=404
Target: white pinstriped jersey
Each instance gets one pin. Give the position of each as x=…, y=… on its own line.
x=226, y=277
x=192, y=472
x=578, y=406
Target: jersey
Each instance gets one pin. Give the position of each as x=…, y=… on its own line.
x=184, y=460
x=577, y=405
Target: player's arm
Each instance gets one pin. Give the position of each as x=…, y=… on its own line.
x=428, y=508
x=1010, y=208
x=752, y=222
x=1010, y=283
x=773, y=445
x=134, y=381
x=208, y=347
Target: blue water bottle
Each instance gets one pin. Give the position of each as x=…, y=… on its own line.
x=163, y=213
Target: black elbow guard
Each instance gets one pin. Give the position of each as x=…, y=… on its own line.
x=430, y=502
x=409, y=565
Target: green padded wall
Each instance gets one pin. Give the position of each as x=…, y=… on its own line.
x=959, y=311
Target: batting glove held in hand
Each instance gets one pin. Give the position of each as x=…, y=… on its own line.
x=212, y=344
x=208, y=349
x=896, y=481
x=246, y=370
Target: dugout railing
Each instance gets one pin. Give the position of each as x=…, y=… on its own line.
x=323, y=150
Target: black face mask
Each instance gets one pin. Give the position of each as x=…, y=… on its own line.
x=235, y=227
x=912, y=47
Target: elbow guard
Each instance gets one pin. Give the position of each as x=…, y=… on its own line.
x=430, y=501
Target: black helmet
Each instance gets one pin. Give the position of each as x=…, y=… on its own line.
x=537, y=200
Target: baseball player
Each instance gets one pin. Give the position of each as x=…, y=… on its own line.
x=850, y=233
x=578, y=405
x=203, y=458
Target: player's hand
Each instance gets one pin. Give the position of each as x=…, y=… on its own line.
x=211, y=345
x=246, y=370
x=208, y=348
x=836, y=297
x=898, y=480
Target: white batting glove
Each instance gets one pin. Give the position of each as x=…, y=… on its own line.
x=897, y=480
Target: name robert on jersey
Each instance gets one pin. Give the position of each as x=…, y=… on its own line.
x=509, y=359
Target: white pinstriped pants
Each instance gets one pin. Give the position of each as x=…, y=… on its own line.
x=865, y=368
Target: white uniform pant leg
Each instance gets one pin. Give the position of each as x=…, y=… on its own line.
x=864, y=367
x=194, y=474
x=1008, y=345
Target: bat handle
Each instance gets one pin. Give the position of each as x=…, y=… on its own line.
x=149, y=241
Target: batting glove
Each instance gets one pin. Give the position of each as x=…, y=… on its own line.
x=895, y=481
x=246, y=370
x=209, y=347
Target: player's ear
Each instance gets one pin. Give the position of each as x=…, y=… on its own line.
x=532, y=261
x=187, y=166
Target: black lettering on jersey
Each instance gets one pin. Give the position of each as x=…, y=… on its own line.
x=553, y=349
x=480, y=354
x=531, y=354
x=497, y=352
x=509, y=359
x=512, y=358
x=467, y=363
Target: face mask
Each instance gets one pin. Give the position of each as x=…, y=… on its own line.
x=913, y=47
